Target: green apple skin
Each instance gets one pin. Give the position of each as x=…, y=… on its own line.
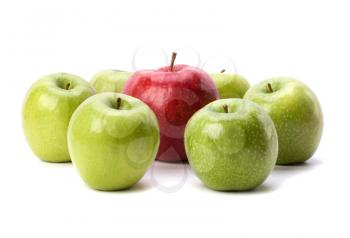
x=231, y=151
x=296, y=113
x=113, y=148
x=230, y=85
x=110, y=80
x=47, y=109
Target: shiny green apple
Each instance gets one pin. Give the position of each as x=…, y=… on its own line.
x=231, y=144
x=113, y=139
x=296, y=113
x=47, y=109
x=230, y=85
x=110, y=80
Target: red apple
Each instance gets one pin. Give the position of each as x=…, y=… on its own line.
x=174, y=93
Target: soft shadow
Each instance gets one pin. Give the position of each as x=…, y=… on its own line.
x=283, y=172
x=297, y=168
x=279, y=174
x=172, y=162
x=139, y=187
x=56, y=164
x=264, y=188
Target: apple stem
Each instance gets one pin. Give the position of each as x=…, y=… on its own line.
x=225, y=108
x=269, y=86
x=119, y=102
x=67, y=86
x=173, y=57
x=222, y=71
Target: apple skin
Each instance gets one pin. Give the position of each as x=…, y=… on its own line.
x=296, y=113
x=47, y=109
x=109, y=80
x=231, y=151
x=230, y=85
x=113, y=148
x=174, y=96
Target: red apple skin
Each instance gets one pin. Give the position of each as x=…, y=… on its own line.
x=174, y=96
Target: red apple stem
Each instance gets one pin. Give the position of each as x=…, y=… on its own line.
x=118, y=103
x=225, y=108
x=67, y=86
x=173, y=57
x=222, y=71
x=269, y=86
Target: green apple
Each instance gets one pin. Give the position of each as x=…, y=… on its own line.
x=231, y=144
x=230, y=85
x=296, y=114
x=47, y=109
x=110, y=80
x=113, y=139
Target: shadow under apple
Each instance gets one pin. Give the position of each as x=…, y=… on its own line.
x=276, y=179
x=283, y=172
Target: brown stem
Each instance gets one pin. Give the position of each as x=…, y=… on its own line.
x=222, y=71
x=118, y=103
x=225, y=108
x=269, y=86
x=67, y=86
x=173, y=57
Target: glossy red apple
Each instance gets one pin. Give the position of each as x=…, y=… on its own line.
x=174, y=93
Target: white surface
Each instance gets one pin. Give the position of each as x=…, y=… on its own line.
x=305, y=39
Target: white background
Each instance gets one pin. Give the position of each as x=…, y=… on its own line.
x=308, y=40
